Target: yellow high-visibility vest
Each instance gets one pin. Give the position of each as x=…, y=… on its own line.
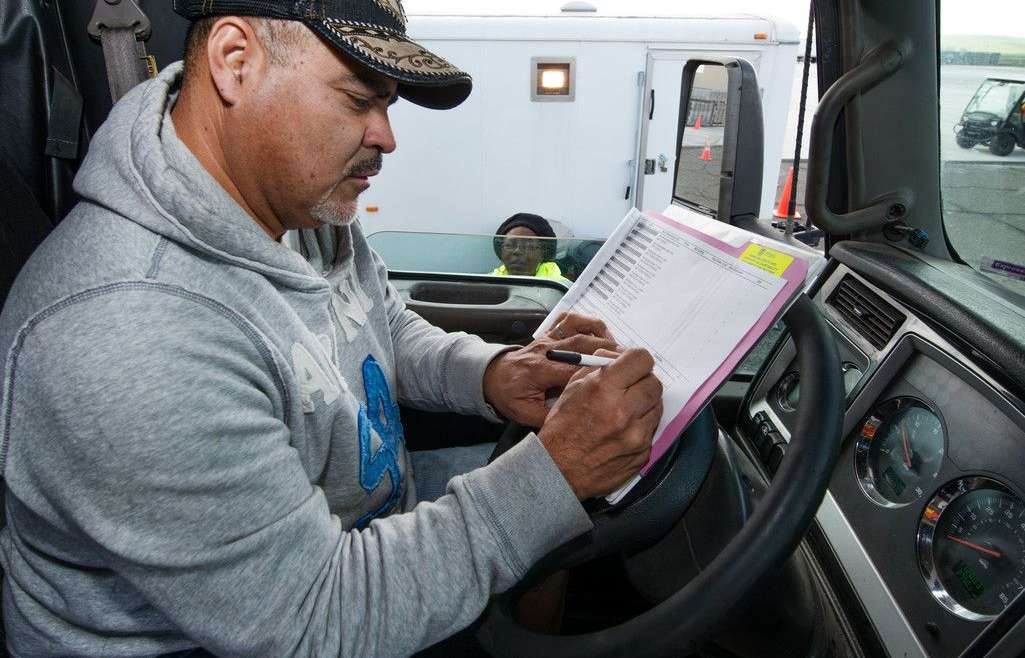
x=547, y=270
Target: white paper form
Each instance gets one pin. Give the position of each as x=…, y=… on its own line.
x=685, y=301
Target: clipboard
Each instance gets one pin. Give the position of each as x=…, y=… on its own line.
x=627, y=285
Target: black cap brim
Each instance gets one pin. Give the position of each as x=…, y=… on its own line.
x=424, y=78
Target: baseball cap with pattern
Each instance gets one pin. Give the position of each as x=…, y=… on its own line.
x=373, y=32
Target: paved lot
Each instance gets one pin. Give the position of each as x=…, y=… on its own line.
x=984, y=212
x=699, y=179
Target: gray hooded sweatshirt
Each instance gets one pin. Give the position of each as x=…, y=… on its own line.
x=200, y=437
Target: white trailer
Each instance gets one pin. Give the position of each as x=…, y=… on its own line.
x=509, y=149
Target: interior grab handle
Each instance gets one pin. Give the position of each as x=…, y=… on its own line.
x=879, y=64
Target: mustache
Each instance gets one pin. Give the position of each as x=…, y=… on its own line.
x=367, y=166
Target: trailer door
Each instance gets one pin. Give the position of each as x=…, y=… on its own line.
x=660, y=121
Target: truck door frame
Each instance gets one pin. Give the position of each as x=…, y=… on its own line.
x=752, y=54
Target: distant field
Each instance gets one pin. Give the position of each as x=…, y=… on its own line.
x=983, y=43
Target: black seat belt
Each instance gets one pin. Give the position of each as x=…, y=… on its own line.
x=121, y=28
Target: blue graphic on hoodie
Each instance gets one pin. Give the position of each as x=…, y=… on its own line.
x=380, y=414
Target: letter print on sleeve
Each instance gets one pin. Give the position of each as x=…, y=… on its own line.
x=380, y=416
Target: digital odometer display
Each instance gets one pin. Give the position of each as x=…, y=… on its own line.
x=969, y=581
x=973, y=537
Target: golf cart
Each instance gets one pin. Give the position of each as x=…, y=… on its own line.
x=995, y=116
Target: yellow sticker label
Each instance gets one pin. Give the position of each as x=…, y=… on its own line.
x=767, y=259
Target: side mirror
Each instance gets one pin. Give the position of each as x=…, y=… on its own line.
x=719, y=140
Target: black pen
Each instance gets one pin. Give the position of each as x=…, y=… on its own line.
x=578, y=359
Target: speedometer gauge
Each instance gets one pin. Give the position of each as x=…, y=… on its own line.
x=899, y=451
x=971, y=547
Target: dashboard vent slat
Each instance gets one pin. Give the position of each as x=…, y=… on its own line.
x=865, y=311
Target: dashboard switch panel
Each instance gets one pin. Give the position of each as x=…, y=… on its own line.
x=768, y=441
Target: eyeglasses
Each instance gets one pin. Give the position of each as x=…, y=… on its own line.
x=523, y=245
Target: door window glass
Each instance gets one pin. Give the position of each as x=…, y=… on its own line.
x=982, y=136
x=560, y=259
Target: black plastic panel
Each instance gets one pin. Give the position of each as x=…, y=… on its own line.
x=975, y=311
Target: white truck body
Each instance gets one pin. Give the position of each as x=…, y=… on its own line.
x=466, y=170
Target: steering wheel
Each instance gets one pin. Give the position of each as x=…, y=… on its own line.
x=680, y=623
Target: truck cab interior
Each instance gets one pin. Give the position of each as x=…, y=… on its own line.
x=859, y=492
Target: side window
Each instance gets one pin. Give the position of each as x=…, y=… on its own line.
x=513, y=253
x=982, y=138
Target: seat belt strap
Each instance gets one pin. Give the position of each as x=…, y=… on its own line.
x=121, y=28
x=125, y=59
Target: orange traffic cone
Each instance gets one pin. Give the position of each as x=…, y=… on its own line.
x=697, y=123
x=784, y=199
x=706, y=153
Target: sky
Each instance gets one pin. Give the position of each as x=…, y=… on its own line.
x=958, y=17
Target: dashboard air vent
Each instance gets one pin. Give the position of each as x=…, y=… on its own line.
x=876, y=320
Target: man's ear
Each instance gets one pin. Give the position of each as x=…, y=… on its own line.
x=235, y=56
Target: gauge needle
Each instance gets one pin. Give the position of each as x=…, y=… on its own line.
x=982, y=549
x=907, y=448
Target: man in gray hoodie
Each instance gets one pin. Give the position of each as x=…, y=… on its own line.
x=199, y=427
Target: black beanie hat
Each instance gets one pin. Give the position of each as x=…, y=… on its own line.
x=536, y=223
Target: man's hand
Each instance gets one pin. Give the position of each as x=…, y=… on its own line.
x=599, y=432
x=515, y=382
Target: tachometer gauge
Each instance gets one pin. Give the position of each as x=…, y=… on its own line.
x=971, y=547
x=900, y=451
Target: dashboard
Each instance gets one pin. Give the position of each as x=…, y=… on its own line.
x=925, y=512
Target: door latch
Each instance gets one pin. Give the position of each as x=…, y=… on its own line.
x=663, y=163
x=649, y=167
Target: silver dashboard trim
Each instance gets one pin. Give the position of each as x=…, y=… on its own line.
x=887, y=617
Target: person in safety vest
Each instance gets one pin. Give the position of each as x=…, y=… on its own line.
x=521, y=252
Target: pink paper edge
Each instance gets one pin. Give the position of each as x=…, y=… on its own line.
x=794, y=277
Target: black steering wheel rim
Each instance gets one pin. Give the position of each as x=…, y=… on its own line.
x=678, y=624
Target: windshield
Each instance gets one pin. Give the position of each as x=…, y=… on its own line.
x=996, y=97
x=982, y=69
x=512, y=255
